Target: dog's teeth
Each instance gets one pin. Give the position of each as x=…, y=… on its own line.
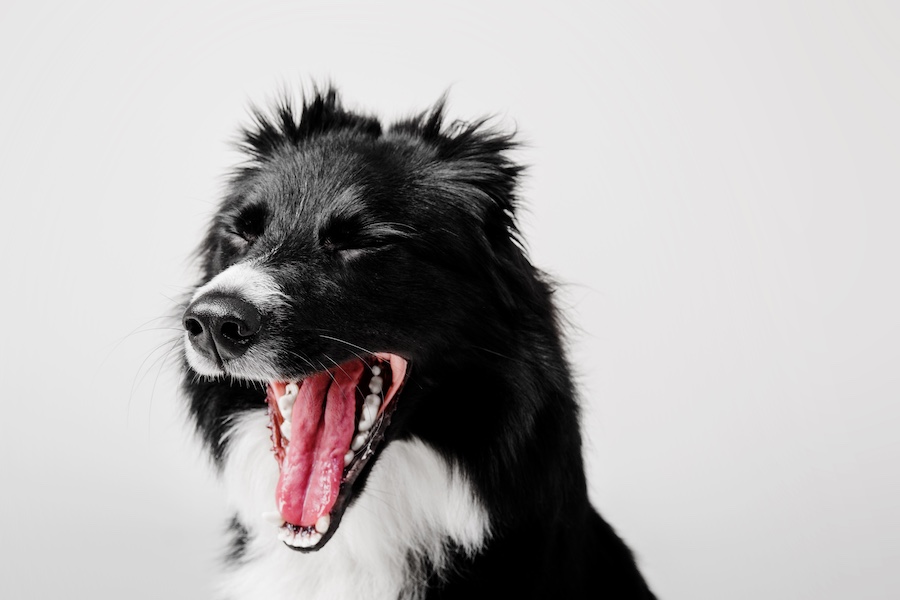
x=358, y=441
x=369, y=413
x=375, y=384
x=303, y=539
x=323, y=523
x=286, y=430
x=286, y=402
x=376, y=370
x=287, y=534
x=273, y=516
x=286, y=405
x=348, y=458
x=373, y=400
x=368, y=418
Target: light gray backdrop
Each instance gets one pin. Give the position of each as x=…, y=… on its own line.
x=715, y=185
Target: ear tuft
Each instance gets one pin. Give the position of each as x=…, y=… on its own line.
x=322, y=113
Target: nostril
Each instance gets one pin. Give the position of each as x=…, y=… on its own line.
x=237, y=331
x=193, y=326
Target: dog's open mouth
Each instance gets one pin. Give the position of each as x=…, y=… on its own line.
x=325, y=429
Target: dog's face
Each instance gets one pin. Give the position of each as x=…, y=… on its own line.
x=343, y=265
x=340, y=255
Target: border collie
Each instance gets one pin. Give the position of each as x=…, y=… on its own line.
x=377, y=370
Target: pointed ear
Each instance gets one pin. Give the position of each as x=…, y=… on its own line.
x=279, y=128
x=473, y=171
x=470, y=158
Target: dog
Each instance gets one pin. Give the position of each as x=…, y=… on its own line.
x=378, y=371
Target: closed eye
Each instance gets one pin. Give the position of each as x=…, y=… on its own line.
x=247, y=225
x=349, y=239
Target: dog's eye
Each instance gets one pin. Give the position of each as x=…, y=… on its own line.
x=350, y=238
x=247, y=225
x=344, y=237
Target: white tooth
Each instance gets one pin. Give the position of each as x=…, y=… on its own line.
x=286, y=430
x=367, y=419
x=375, y=384
x=323, y=523
x=286, y=406
x=376, y=370
x=373, y=400
x=274, y=517
x=358, y=441
x=292, y=389
x=348, y=458
x=312, y=540
x=287, y=535
x=370, y=412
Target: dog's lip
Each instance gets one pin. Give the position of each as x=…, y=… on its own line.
x=362, y=459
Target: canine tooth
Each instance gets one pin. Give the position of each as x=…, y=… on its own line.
x=376, y=370
x=286, y=430
x=274, y=517
x=323, y=523
x=358, y=441
x=287, y=401
x=348, y=458
x=375, y=384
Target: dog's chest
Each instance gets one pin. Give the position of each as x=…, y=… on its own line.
x=413, y=505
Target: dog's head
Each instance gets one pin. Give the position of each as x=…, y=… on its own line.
x=349, y=269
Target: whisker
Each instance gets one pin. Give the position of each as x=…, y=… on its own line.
x=166, y=357
x=352, y=345
x=138, y=378
x=301, y=357
x=139, y=329
x=358, y=389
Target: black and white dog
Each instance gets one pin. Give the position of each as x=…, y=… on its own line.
x=378, y=371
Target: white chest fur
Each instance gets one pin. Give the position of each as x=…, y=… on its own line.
x=413, y=503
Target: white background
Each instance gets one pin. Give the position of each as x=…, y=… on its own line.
x=716, y=189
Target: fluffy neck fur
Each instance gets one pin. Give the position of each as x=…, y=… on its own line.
x=415, y=506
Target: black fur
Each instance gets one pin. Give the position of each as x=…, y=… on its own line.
x=403, y=239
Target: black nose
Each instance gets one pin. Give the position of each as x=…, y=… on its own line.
x=221, y=326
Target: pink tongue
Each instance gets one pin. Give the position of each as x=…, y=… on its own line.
x=321, y=432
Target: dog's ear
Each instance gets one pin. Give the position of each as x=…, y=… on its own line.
x=471, y=166
x=280, y=128
x=472, y=170
x=469, y=156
